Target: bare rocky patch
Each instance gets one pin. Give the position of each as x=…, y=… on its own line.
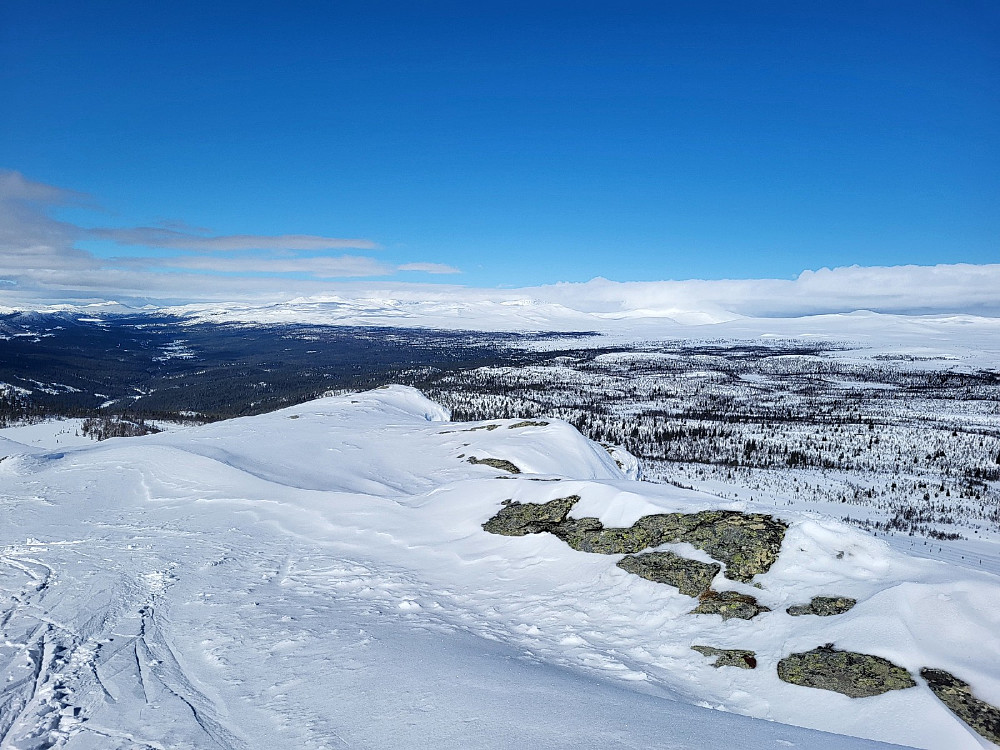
x=519, y=519
x=747, y=543
x=691, y=577
x=823, y=606
x=729, y=657
x=848, y=672
x=957, y=695
x=496, y=463
x=729, y=604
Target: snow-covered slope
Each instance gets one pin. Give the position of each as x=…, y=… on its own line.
x=319, y=577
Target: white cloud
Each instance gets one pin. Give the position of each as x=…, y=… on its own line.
x=318, y=267
x=440, y=268
x=174, y=239
x=891, y=289
x=40, y=260
x=14, y=186
x=40, y=263
x=29, y=238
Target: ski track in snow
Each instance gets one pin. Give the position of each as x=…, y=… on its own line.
x=223, y=589
x=60, y=662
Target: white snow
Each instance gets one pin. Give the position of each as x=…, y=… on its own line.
x=318, y=577
x=50, y=434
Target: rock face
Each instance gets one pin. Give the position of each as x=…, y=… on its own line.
x=496, y=463
x=729, y=657
x=729, y=604
x=848, y=672
x=824, y=606
x=957, y=695
x=518, y=519
x=691, y=577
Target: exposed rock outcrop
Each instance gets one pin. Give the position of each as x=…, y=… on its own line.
x=589, y=535
x=729, y=657
x=957, y=695
x=824, y=606
x=848, y=672
x=729, y=604
x=748, y=543
x=691, y=577
x=496, y=463
x=518, y=519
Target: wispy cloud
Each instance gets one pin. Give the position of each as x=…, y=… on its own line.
x=29, y=237
x=40, y=263
x=15, y=187
x=440, y=268
x=40, y=257
x=319, y=267
x=174, y=239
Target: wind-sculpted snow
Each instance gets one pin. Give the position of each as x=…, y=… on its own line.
x=319, y=577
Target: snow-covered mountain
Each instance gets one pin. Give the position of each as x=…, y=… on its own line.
x=321, y=577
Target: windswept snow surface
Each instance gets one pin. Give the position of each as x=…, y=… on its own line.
x=318, y=577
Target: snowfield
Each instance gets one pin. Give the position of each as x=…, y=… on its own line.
x=319, y=577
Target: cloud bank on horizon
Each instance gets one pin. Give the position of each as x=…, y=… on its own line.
x=42, y=264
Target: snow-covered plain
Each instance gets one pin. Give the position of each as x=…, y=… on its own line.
x=318, y=577
x=969, y=338
x=883, y=318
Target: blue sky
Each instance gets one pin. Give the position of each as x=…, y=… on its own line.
x=520, y=143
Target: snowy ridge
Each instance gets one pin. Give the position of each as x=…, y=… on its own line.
x=319, y=577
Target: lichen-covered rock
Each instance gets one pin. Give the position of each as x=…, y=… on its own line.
x=848, y=672
x=824, y=606
x=957, y=695
x=518, y=519
x=729, y=657
x=748, y=543
x=496, y=463
x=691, y=577
x=527, y=423
x=589, y=535
x=729, y=604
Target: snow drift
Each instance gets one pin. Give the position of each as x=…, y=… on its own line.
x=320, y=577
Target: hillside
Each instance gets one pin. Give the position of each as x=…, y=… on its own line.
x=320, y=576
